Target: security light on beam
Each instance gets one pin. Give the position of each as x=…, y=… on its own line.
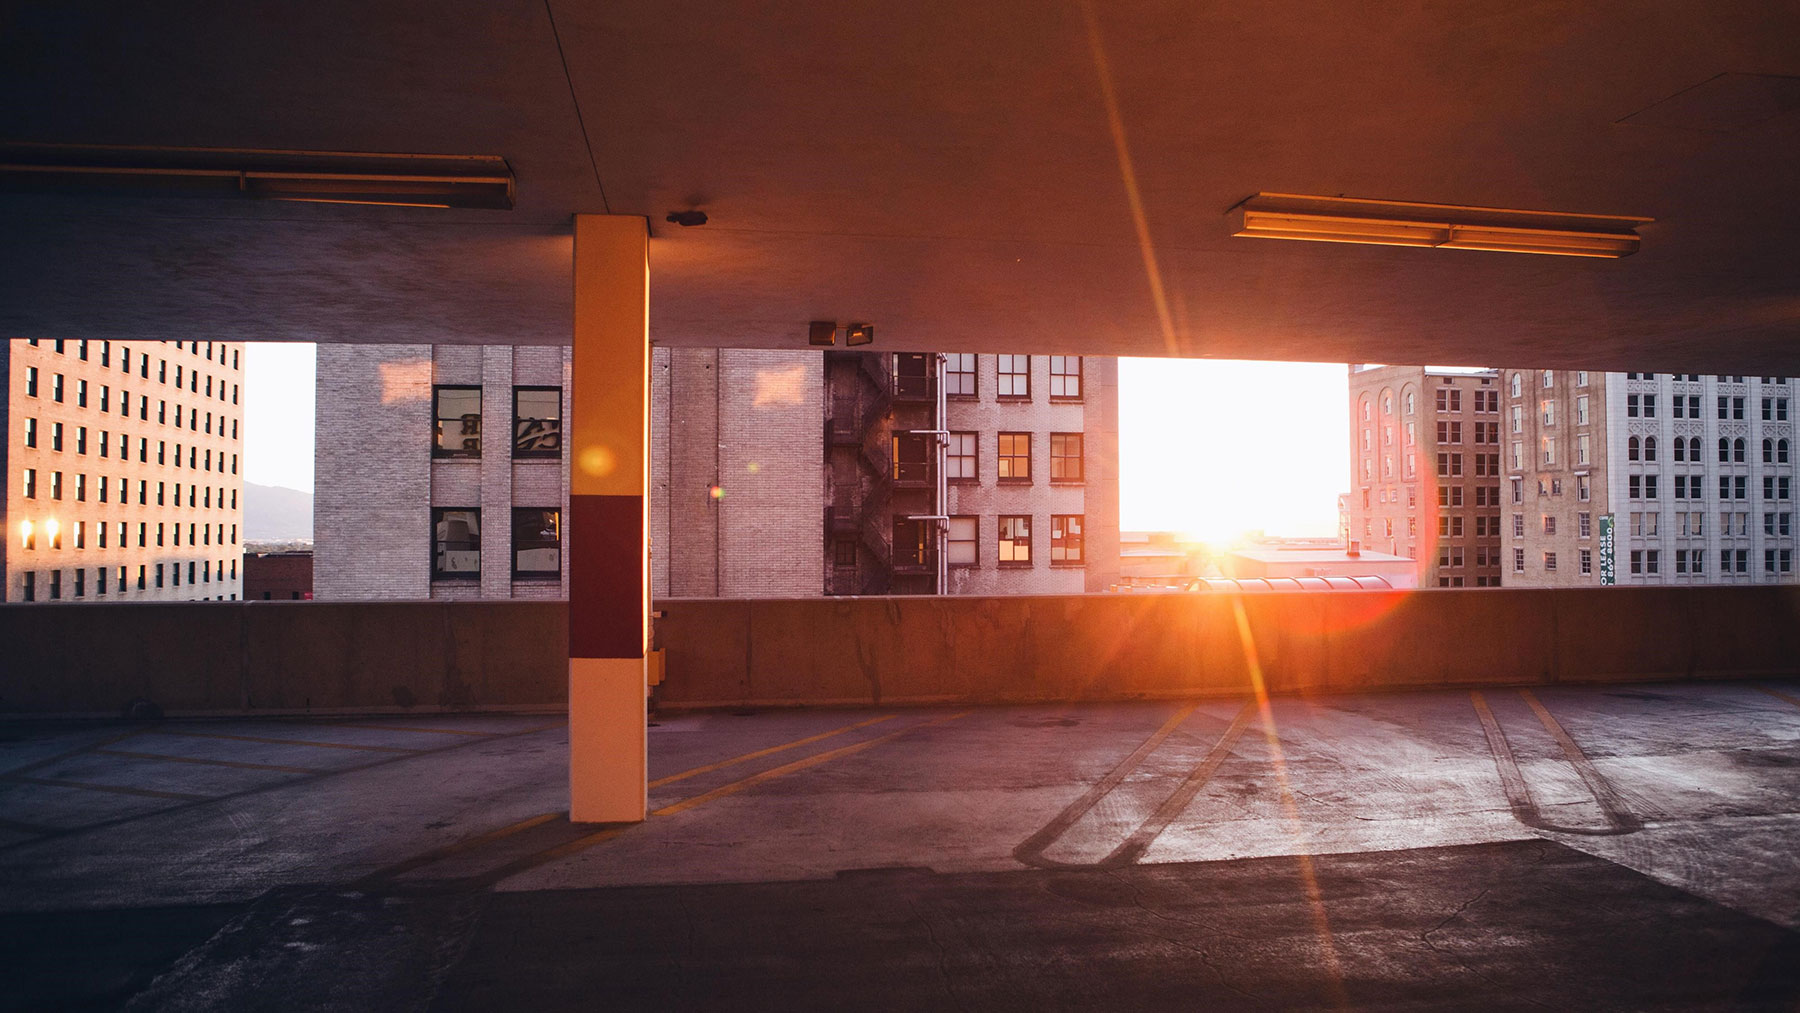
x=1446, y=226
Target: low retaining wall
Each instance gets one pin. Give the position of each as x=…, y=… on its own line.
x=283, y=657
x=320, y=657
x=1124, y=646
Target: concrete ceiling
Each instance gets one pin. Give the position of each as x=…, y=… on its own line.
x=948, y=171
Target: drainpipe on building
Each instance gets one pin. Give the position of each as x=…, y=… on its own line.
x=942, y=507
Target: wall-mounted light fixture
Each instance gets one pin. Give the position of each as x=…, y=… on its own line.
x=322, y=177
x=859, y=334
x=821, y=332
x=1447, y=226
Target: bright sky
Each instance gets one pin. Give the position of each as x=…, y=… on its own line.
x=1214, y=448
x=278, y=414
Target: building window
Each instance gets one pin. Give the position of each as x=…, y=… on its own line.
x=1518, y=560
x=1015, y=457
x=458, y=421
x=912, y=459
x=961, y=542
x=913, y=375
x=1065, y=539
x=1014, y=372
x=960, y=462
x=914, y=544
x=1065, y=378
x=1065, y=457
x=1549, y=562
x=843, y=552
x=537, y=421
x=959, y=374
x=31, y=381
x=1015, y=540
x=456, y=543
x=537, y=543
x=1587, y=562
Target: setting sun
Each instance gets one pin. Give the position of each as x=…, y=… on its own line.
x=1217, y=448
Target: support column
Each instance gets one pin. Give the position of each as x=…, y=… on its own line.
x=608, y=528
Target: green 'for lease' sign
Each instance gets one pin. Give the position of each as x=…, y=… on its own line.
x=1606, y=549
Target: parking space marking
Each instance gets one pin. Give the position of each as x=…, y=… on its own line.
x=532, y=861
x=1779, y=695
x=1617, y=812
x=288, y=742
x=191, y=801
x=238, y=764
x=71, y=754
x=1139, y=842
x=1129, y=851
x=722, y=764
x=1031, y=850
x=404, y=728
x=1619, y=818
x=113, y=789
x=439, y=854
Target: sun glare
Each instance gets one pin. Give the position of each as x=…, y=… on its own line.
x=1221, y=448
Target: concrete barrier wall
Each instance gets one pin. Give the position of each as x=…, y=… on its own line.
x=982, y=650
x=225, y=657
x=313, y=657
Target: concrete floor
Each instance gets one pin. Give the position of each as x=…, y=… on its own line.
x=1623, y=847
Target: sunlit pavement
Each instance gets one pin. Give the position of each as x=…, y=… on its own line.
x=1623, y=847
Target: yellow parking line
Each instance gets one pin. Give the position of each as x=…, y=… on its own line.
x=1779, y=695
x=722, y=764
x=288, y=742
x=239, y=764
x=404, y=728
x=114, y=789
x=599, y=837
x=439, y=854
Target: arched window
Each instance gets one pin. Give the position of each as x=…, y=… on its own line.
x=1724, y=450
x=1387, y=402
x=1738, y=448
x=1367, y=411
x=1410, y=402
x=1632, y=449
x=1680, y=449
x=1694, y=450
x=1781, y=451
x=1768, y=451
x=1517, y=385
x=1649, y=448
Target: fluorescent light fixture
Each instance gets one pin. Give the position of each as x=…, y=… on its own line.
x=321, y=177
x=1446, y=226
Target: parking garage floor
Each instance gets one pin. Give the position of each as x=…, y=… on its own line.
x=1603, y=847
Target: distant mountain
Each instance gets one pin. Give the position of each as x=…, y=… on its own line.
x=272, y=513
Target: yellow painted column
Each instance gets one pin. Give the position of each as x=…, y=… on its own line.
x=608, y=530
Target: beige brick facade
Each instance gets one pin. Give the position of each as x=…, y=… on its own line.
x=124, y=470
x=1425, y=452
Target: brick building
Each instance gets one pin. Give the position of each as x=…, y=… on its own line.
x=971, y=474
x=278, y=576
x=1649, y=478
x=122, y=462
x=472, y=486
x=744, y=464
x=1425, y=470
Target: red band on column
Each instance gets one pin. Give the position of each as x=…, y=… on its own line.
x=606, y=576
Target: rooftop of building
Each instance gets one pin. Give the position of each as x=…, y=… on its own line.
x=1315, y=554
x=1625, y=845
